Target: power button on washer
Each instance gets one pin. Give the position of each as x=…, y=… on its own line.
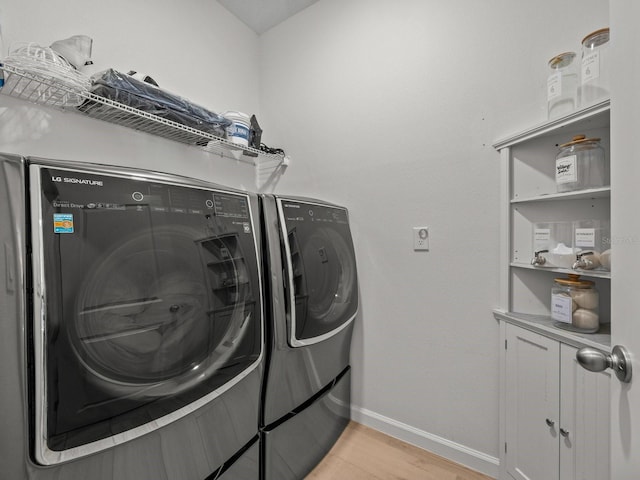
x=137, y=196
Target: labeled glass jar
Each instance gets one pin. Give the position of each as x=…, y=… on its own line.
x=594, y=72
x=580, y=165
x=575, y=304
x=553, y=245
x=562, y=85
x=591, y=238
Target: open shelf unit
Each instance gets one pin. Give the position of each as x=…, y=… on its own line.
x=50, y=92
x=529, y=197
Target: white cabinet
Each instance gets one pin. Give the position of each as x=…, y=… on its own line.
x=556, y=414
x=532, y=399
x=584, y=414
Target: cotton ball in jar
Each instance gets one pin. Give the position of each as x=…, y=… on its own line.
x=605, y=259
x=586, y=298
x=586, y=319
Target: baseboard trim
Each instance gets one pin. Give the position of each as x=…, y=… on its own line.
x=453, y=451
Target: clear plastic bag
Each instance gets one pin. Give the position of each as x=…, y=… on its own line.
x=143, y=96
x=49, y=78
x=76, y=50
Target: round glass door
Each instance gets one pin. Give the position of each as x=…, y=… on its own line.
x=152, y=299
x=146, y=313
x=322, y=269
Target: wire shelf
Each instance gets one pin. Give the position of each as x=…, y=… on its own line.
x=50, y=92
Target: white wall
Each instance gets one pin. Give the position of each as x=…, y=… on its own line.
x=194, y=48
x=391, y=108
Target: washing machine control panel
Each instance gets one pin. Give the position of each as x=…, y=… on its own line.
x=307, y=212
x=83, y=190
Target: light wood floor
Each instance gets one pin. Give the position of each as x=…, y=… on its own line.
x=363, y=453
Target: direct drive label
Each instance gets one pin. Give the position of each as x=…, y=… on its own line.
x=62, y=223
x=566, y=170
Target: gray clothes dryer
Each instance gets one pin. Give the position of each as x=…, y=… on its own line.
x=313, y=295
x=131, y=325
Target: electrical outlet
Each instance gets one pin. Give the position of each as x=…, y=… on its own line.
x=421, y=238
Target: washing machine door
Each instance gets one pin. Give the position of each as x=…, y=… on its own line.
x=321, y=270
x=147, y=304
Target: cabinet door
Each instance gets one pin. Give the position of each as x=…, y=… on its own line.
x=584, y=420
x=532, y=405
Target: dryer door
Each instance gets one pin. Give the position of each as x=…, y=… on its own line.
x=321, y=267
x=147, y=305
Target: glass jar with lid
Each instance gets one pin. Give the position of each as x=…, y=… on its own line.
x=594, y=73
x=580, y=164
x=575, y=304
x=562, y=85
x=553, y=245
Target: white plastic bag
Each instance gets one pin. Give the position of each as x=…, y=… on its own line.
x=76, y=50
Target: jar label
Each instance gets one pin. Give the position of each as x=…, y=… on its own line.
x=561, y=307
x=590, y=67
x=566, y=170
x=541, y=237
x=554, y=86
x=586, y=237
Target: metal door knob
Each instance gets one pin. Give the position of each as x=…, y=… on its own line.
x=596, y=361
